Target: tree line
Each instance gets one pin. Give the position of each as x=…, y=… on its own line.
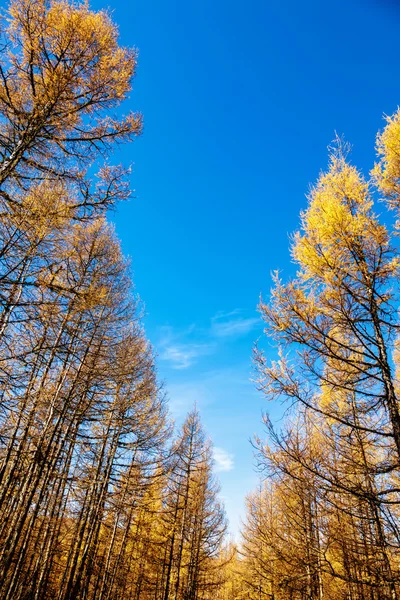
x=99, y=499
x=324, y=523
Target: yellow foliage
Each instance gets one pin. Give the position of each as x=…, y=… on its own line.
x=65, y=71
x=43, y=210
x=386, y=172
x=338, y=225
x=70, y=49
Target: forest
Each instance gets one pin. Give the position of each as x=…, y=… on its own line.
x=102, y=497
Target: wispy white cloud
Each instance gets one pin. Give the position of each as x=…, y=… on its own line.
x=182, y=349
x=212, y=388
x=174, y=349
x=222, y=314
x=182, y=356
x=223, y=460
x=223, y=325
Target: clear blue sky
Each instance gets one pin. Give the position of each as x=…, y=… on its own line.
x=240, y=100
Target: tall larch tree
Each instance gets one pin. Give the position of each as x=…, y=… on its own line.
x=336, y=325
x=194, y=519
x=83, y=425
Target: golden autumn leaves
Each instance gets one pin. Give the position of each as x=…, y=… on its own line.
x=325, y=525
x=96, y=502
x=387, y=171
x=96, y=498
x=340, y=308
x=62, y=73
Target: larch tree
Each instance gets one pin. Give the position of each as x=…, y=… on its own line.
x=339, y=314
x=83, y=424
x=86, y=476
x=194, y=519
x=336, y=325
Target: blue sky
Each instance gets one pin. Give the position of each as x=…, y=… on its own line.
x=240, y=101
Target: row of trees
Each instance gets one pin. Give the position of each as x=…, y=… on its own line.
x=324, y=523
x=96, y=499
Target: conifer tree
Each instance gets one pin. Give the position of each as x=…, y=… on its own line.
x=336, y=323
x=194, y=518
x=83, y=424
